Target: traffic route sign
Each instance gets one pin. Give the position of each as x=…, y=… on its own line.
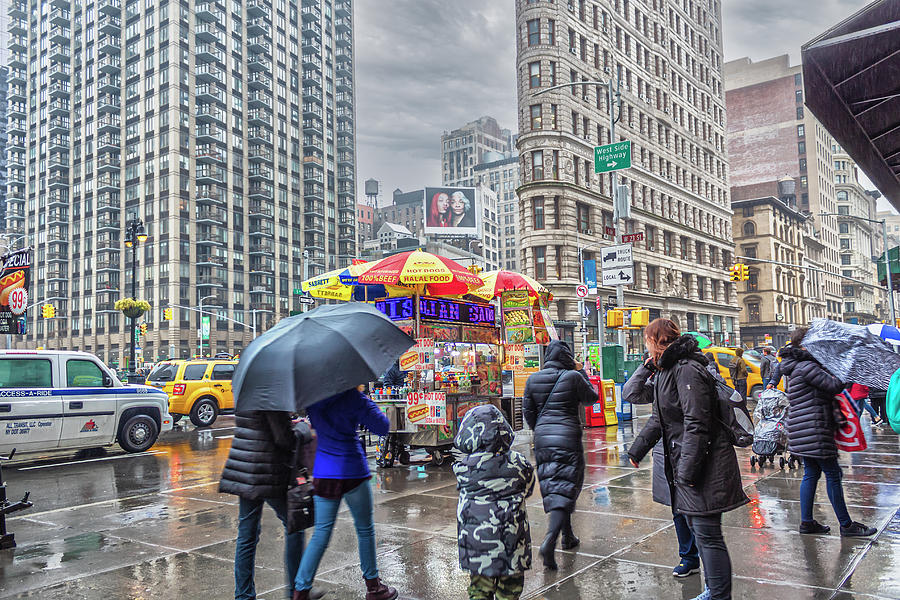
x=581, y=291
x=612, y=157
x=623, y=276
x=306, y=300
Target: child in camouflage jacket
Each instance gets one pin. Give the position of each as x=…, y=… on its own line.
x=493, y=483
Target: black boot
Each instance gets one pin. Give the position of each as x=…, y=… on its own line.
x=569, y=540
x=376, y=590
x=554, y=527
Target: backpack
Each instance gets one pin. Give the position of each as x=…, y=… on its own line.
x=733, y=415
x=892, y=402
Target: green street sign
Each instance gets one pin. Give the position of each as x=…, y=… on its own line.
x=612, y=157
x=298, y=292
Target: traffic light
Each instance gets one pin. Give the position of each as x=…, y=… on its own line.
x=736, y=272
x=48, y=311
x=615, y=318
x=745, y=272
x=143, y=329
x=167, y=314
x=640, y=318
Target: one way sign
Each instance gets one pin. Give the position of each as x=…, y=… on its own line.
x=622, y=276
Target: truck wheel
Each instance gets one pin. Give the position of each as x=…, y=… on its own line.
x=138, y=433
x=204, y=412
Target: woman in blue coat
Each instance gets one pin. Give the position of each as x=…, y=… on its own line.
x=341, y=472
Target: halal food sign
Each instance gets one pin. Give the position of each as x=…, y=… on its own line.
x=437, y=309
x=15, y=276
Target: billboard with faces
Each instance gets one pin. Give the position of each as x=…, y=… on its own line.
x=452, y=211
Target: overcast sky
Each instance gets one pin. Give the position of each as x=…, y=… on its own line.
x=428, y=66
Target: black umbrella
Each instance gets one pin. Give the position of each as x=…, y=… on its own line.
x=309, y=357
x=852, y=353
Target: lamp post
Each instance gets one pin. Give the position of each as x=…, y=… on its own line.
x=200, y=328
x=887, y=263
x=476, y=243
x=134, y=234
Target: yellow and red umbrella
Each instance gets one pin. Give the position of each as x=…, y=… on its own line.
x=422, y=272
x=342, y=284
x=497, y=282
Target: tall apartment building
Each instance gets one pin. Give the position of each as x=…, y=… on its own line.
x=772, y=136
x=668, y=57
x=464, y=148
x=860, y=241
x=501, y=175
x=227, y=127
x=4, y=138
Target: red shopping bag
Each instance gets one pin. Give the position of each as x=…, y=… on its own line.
x=849, y=436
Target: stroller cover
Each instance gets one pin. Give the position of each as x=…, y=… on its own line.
x=770, y=433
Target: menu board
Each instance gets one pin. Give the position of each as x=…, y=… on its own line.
x=516, y=307
x=426, y=408
x=544, y=331
x=424, y=349
x=515, y=357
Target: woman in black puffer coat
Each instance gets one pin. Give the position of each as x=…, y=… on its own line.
x=553, y=398
x=258, y=470
x=700, y=463
x=811, y=427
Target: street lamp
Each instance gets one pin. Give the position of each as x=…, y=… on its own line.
x=200, y=329
x=134, y=234
x=887, y=264
x=477, y=244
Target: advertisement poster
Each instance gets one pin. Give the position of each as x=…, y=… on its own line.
x=426, y=408
x=590, y=275
x=409, y=361
x=15, y=278
x=424, y=350
x=544, y=331
x=515, y=357
x=451, y=211
x=516, y=307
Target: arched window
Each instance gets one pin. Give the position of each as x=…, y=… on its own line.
x=749, y=228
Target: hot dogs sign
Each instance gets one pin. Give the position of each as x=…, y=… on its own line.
x=15, y=279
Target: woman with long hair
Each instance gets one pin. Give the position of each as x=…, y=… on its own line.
x=439, y=210
x=700, y=462
x=460, y=211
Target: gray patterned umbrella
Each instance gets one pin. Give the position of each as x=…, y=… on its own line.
x=852, y=353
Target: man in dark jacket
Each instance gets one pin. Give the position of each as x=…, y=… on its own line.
x=811, y=427
x=493, y=482
x=258, y=470
x=638, y=390
x=553, y=398
x=767, y=366
x=701, y=466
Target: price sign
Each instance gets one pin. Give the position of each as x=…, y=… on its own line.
x=427, y=408
x=18, y=301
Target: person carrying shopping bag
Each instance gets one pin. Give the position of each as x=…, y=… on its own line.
x=701, y=466
x=493, y=482
x=341, y=473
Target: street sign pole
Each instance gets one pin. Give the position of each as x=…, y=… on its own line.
x=601, y=331
x=613, y=183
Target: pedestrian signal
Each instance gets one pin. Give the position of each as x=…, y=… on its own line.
x=615, y=318
x=640, y=318
x=48, y=311
x=167, y=314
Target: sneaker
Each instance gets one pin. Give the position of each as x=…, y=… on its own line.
x=684, y=569
x=813, y=527
x=703, y=596
x=857, y=530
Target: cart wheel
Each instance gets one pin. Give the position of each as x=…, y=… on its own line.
x=781, y=461
x=403, y=457
x=437, y=458
x=753, y=460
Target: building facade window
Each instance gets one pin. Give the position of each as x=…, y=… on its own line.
x=535, y=117
x=538, y=212
x=753, y=312
x=537, y=165
x=540, y=262
x=749, y=229
x=583, y=215
x=534, y=74
x=534, y=32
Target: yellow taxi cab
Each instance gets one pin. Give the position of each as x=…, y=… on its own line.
x=198, y=388
x=724, y=356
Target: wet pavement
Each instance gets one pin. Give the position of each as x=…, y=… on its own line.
x=153, y=526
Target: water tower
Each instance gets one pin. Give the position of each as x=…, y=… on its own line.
x=372, y=187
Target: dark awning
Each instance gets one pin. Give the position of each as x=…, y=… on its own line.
x=852, y=79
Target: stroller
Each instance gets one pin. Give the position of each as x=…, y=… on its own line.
x=770, y=433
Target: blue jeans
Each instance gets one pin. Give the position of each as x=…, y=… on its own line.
x=359, y=501
x=249, y=517
x=687, y=547
x=812, y=470
x=863, y=403
x=766, y=381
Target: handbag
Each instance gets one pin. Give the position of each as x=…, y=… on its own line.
x=849, y=436
x=300, y=502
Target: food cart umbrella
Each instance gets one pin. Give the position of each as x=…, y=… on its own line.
x=425, y=272
x=497, y=282
x=702, y=340
x=314, y=355
x=342, y=284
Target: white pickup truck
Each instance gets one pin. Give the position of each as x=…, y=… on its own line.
x=68, y=400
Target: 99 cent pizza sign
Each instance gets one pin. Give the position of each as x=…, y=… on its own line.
x=15, y=278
